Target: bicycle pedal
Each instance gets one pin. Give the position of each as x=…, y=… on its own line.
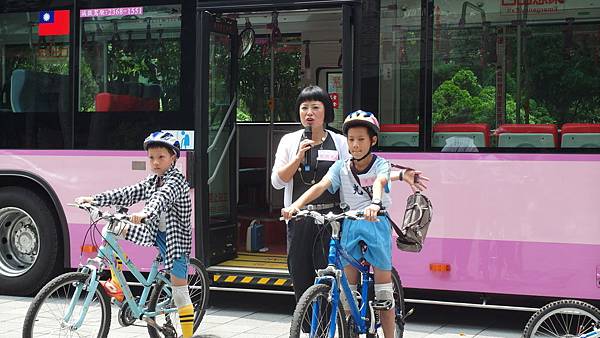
x=112, y=290
x=382, y=305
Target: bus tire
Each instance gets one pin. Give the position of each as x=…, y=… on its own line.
x=28, y=241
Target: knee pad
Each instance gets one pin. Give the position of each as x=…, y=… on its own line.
x=353, y=288
x=384, y=295
x=181, y=296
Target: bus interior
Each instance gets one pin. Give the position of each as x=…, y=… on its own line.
x=308, y=46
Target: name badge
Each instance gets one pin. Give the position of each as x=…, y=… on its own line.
x=367, y=181
x=327, y=155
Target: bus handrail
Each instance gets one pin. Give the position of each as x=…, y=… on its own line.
x=214, y=143
x=212, y=178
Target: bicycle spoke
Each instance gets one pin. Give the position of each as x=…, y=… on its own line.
x=49, y=313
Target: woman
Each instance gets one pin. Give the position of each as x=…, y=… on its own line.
x=296, y=169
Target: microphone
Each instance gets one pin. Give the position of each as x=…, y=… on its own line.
x=307, y=154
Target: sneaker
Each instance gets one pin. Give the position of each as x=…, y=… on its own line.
x=113, y=290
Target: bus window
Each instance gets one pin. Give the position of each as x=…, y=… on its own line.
x=399, y=69
x=511, y=65
x=130, y=62
x=255, y=75
x=130, y=76
x=34, y=80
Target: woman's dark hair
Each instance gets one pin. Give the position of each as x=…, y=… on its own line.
x=316, y=93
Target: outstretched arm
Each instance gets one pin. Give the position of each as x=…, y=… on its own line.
x=309, y=196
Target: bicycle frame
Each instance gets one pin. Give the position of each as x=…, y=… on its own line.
x=334, y=275
x=106, y=253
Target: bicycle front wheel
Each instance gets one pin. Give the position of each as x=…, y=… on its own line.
x=303, y=322
x=59, y=305
x=563, y=318
x=198, y=285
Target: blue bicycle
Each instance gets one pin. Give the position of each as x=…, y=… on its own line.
x=75, y=304
x=320, y=313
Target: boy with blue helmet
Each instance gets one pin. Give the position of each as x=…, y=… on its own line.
x=363, y=182
x=167, y=214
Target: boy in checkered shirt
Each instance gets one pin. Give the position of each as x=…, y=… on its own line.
x=166, y=214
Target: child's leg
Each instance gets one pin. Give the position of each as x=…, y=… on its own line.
x=181, y=297
x=384, y=291
x=352, y=276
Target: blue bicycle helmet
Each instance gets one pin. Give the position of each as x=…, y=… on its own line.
x=163, y=138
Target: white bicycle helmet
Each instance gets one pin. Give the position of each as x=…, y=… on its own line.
x=163, y=138
x=361, y=118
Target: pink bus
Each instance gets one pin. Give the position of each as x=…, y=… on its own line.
x=497, y=102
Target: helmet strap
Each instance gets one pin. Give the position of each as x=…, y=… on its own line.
x=362, y=158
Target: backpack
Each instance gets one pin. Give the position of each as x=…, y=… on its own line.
x=417, y=218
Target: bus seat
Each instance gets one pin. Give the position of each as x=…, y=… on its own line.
x=580, y=135
x=17, y=83
x=33, y=91
x=399, y=135
x=106, y=102
x=479, y=133
x=527, y=135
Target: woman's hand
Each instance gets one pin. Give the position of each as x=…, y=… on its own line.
x=84, y=199
x=289, y=212
x=371, y=212
x=303, y=148
x=137, y=218
x=415, y=179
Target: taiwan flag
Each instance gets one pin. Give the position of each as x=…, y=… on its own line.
x=54, y=23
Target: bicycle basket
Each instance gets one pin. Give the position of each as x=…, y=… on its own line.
x=417, y=217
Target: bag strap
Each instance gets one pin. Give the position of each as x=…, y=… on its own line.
x=355, y=174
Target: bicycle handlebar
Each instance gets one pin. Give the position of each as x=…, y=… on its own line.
x=330, y=216
x=97, y=213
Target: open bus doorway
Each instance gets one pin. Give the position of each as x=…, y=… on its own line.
x=291, y=49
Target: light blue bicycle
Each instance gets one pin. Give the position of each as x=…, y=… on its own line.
x=564, y=318
x=75, y=304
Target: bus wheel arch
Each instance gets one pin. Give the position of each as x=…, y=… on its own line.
x=30, y=214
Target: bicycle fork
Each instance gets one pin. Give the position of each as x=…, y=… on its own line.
x=91, y=288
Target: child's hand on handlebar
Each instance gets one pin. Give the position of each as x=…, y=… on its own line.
x=371, y=212
x=137, y=217
x=84, y=199
x=289, y=212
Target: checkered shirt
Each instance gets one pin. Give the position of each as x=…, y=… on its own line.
x=172, y=198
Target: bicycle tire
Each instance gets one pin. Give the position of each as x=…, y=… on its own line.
x=198, y=283
x=62, y=281
x=559, y=316
x=399, y=306
x=305, y=304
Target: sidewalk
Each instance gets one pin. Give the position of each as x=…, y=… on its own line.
x=263, y=316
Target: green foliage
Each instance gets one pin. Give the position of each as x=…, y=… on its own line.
x=463, y=100
x=254, y=84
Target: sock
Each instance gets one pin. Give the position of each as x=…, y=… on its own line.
x=186, y=318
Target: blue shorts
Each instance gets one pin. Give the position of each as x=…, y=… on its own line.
x=377, y=236
x=180, y=265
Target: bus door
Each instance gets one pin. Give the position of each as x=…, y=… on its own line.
x=215, y=159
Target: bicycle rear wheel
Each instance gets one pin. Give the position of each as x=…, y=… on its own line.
x=563, y=318
x=46, y=314
x=317, y=297
x=198, y=285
